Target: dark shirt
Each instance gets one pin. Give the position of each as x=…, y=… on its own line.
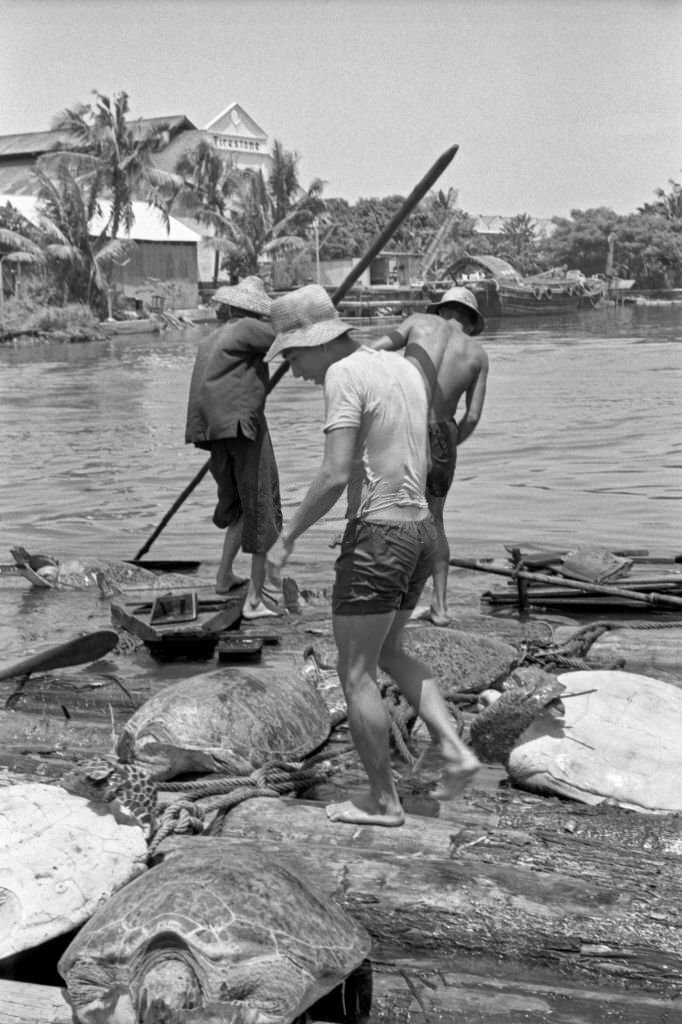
x=229, y=383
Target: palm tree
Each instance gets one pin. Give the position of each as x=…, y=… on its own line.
x=19, y=249
x=82, y=261
x=207, y=185
x=118, y=154
x=519, y=232
x=283, y=182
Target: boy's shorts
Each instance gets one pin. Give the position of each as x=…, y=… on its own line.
x=248, y=484
x=383, y=566
x=443, y=450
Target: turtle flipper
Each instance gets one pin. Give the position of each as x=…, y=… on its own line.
x=128, y=788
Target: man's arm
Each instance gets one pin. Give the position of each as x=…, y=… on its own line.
x=475, y=398
x=391, y=341
x=325, y=489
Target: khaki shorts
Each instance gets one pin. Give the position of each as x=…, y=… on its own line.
x=248, y=484
x=383, y=566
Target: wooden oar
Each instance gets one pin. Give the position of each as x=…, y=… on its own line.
x=417, y=193
x=78, y=651
x=560, y=581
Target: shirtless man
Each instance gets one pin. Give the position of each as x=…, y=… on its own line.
x=452, y=364
x=376, y=449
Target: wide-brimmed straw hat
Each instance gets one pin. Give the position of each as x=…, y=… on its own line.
x=306, y=318
x=249, y=295
x=460, y=297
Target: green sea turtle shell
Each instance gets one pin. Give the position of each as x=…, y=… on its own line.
x=250, y=932
x=460, y=661
x=227, y=719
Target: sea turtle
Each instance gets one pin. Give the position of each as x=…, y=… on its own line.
x=462, y=662
x=594, y=736
x=110, y=575
x=59, y=858
x=233, y=719
x=209, y=937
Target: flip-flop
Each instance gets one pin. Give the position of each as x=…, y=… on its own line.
x=271, y=594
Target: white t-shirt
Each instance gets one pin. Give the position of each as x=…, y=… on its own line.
x=383, y=395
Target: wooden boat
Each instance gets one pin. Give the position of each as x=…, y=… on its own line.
x=501, y=291
x=178, y=624
x=146, y=325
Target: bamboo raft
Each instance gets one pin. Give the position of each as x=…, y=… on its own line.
x=506, y=907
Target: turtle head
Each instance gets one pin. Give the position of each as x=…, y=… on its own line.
x=128, y=789
x=495, y=731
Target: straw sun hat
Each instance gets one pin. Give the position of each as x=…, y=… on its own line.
x=305, y=318
x=460, y=297
x=249, y=295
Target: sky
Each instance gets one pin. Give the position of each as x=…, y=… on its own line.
x=555, y=104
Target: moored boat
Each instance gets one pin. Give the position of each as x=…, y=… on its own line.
x=501, y=291
x=141, y=325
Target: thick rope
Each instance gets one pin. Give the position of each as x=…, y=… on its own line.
x=221, y=793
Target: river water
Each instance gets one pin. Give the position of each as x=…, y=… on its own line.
x=580, y=441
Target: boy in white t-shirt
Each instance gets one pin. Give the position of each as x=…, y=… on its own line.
x=376, y=445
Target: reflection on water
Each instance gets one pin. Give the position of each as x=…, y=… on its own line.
x=580, y=440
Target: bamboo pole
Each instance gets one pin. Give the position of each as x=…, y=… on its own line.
x=560, y=581
x=417, y=193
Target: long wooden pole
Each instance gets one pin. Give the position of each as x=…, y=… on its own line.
x=417, y=193
x=560, y=581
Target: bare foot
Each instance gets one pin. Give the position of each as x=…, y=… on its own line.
x=426, y=613
x=365, y=811
x=454, y=780
x=456, y=771
x=224, y=586
x=439, y=618
x=258, y=611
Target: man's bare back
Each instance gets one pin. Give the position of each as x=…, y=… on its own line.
x=452, y=364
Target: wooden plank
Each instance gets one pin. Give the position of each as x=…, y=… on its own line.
x=22, y=1003
x=484, y=992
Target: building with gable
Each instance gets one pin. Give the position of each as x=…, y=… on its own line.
x=233, y=133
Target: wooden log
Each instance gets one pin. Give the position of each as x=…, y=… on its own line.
x=594, y=906
x=425, y=992
x=483, y=992
x=22, y=1003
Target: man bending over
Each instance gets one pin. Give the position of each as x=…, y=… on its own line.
x=452, y=364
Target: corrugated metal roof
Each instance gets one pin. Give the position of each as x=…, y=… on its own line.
x=148, y=225
x=34, y=143
x=29, y=143
x=496, y=266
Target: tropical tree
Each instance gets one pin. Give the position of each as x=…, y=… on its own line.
x=118, y=155
x=16, y=248
x=206, y=189
x=81, y=261
x=283, y=184
x=667, y=203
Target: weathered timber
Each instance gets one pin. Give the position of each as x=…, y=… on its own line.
x=601, y=908
x=416, y=991
x=426, y=992
x=22, y=1003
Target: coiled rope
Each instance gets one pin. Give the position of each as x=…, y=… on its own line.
x=202, y=797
